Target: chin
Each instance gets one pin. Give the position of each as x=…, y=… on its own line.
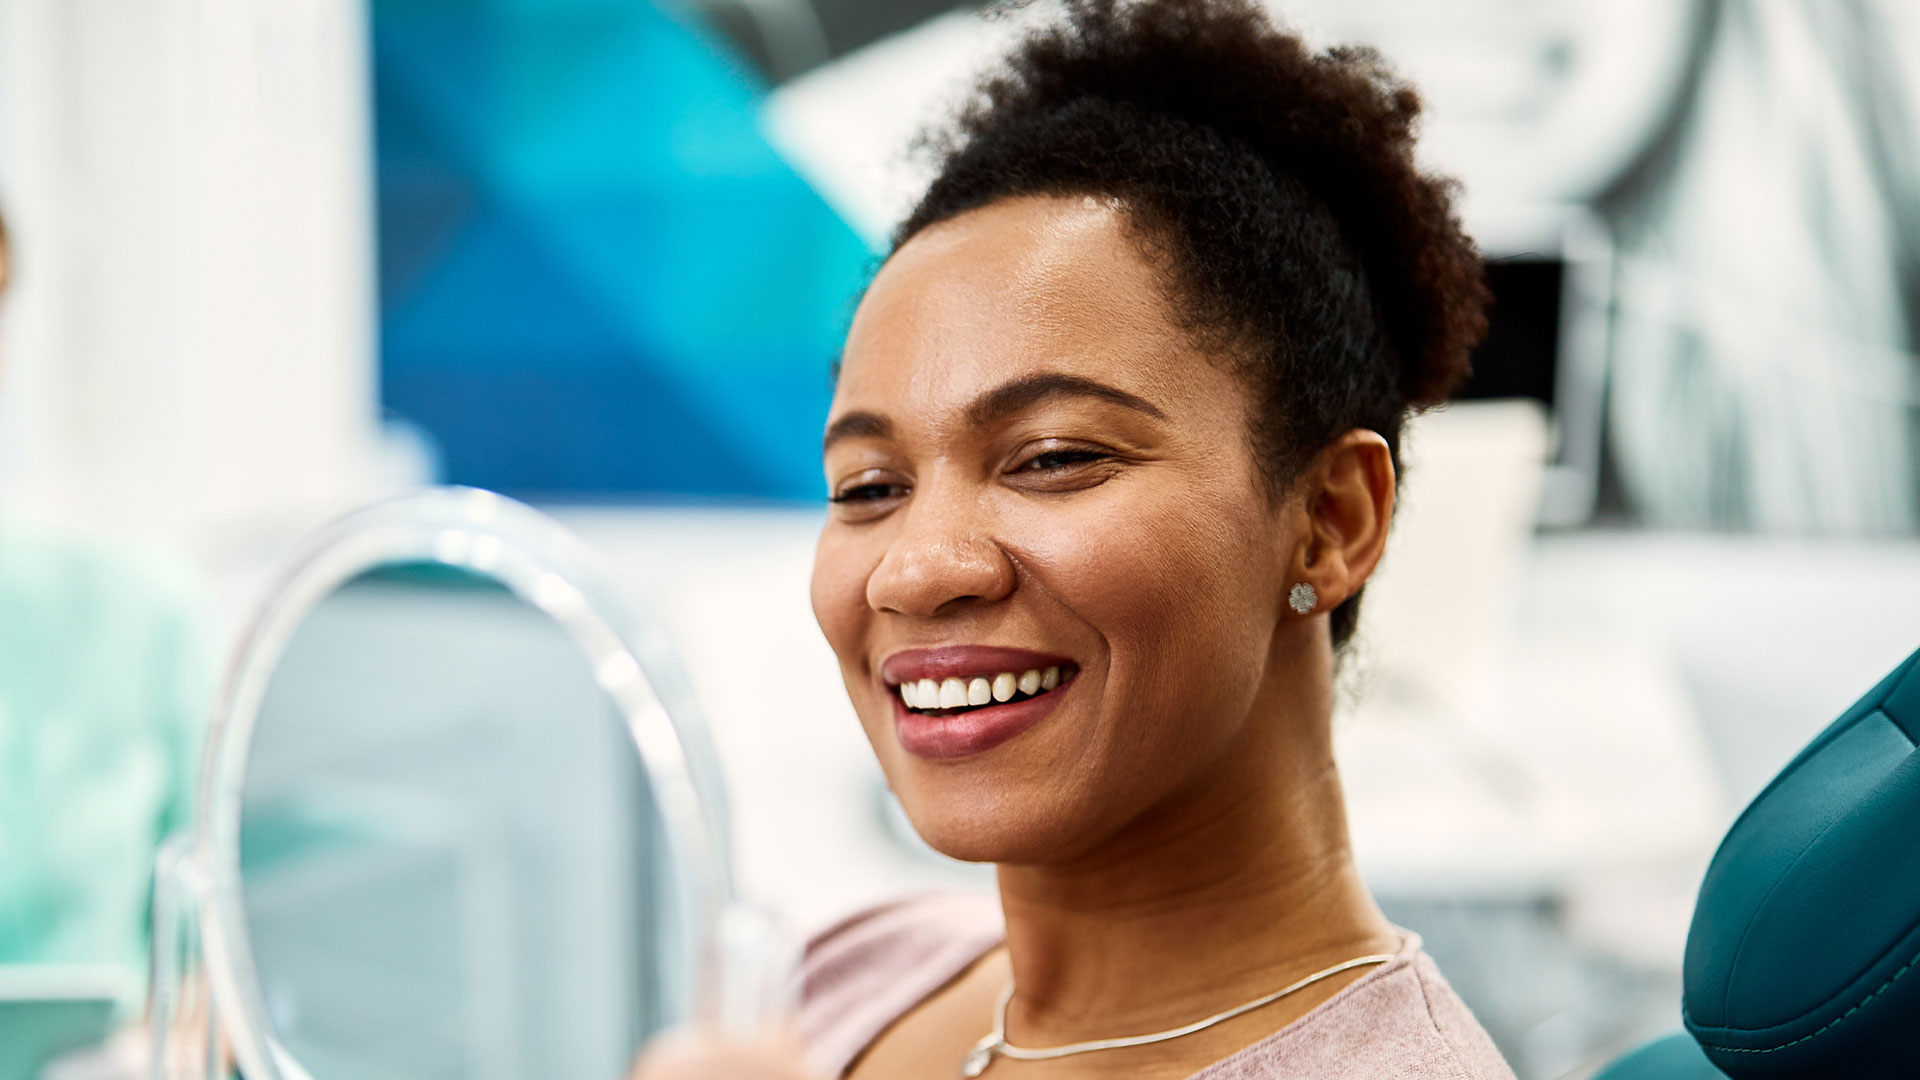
x=987, y=823
x=984, y=841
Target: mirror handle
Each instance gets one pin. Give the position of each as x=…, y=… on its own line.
x=174, y=1053
x=750, y=974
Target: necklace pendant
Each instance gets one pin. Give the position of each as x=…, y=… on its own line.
x=977, y=1061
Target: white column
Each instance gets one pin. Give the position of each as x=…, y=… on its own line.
x=191, y=349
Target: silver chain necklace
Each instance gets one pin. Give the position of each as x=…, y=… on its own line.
x=996, y=1042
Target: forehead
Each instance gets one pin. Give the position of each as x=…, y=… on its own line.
x=1015, y=287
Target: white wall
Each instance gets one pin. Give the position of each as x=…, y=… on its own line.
x=190, y=350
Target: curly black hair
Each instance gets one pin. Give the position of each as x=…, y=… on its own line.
x=1274, y=187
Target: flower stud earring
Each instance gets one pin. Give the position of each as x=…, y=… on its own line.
x=1302, y=599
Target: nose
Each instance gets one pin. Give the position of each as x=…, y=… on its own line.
x=943, y=556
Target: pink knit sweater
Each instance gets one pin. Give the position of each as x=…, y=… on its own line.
x=1399, y=1021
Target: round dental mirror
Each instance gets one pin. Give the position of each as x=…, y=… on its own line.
x=459, y=819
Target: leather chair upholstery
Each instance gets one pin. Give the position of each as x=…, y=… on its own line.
x=1804, y=954
x=1803, y=959
x=1674, y=1057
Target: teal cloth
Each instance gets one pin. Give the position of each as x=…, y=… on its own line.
x=105, y=680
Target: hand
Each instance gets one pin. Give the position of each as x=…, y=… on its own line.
x=128, y=1055
x=693, y=1055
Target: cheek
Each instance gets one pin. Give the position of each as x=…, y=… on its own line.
x=838, y=591
x=1178, y=583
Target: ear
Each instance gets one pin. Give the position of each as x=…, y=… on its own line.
x=1348, y=503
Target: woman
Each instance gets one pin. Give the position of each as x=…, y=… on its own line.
x=1112, y=453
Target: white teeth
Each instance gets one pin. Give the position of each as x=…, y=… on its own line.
x=956, y=693
x=1003, y=686
x=953, y=693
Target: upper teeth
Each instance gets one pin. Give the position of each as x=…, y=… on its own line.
x=953, y=693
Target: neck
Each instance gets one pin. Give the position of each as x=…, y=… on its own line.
x=1212, y=898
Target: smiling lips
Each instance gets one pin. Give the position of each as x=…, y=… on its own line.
x=956, y=701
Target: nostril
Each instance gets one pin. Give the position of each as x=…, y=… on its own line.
x=928, y=574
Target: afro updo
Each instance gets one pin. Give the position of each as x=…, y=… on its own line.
x=1274, y=187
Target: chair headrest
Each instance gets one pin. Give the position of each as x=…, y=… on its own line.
x=1804, y=955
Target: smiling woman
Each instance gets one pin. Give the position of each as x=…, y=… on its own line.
x=1112, y=453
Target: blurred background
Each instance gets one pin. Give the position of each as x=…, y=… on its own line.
x=270, y=260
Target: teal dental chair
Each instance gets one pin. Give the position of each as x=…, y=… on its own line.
x=1803, y=959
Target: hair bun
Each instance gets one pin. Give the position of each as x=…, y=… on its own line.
x=1339, y=122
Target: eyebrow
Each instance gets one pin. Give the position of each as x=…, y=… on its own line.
x=1007, y=399
x=1024, y=393
x=857, y=425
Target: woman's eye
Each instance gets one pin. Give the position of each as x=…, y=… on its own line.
x=1059, y=459
x=867, y=493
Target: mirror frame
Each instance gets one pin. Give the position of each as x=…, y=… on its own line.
x=541, y=563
